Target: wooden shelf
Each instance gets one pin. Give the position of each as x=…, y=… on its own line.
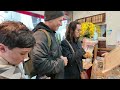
x=105, y=49
x=96, y=49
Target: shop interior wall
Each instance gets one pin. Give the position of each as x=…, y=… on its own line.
x=112, y=22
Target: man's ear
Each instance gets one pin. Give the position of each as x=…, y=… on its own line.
x=2, y=48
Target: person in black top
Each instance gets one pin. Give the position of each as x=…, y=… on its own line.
x=72, y=49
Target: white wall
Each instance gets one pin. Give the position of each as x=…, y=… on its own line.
x=112, y=21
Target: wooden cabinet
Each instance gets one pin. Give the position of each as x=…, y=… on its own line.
x=99, y=18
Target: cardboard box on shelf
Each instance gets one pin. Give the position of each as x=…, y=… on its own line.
x=102, y=68
x=97, y=68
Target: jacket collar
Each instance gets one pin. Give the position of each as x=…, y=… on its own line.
x=41, y=25
x=9, y=71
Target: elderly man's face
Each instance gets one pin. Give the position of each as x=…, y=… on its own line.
x=56, y=23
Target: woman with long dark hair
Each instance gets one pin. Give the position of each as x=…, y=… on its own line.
x=72, y=49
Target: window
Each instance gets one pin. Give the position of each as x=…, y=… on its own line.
x=62, y=29
x=28, y=20
x=103, y=30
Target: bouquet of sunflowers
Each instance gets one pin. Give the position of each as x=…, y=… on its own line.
x=88, y=29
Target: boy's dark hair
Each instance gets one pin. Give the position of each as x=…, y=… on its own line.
x=16, y=34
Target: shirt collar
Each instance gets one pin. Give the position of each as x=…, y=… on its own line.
x=3, y=61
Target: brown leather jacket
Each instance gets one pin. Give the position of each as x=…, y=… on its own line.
x=47, y=60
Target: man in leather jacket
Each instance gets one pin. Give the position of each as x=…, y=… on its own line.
x=48, y=61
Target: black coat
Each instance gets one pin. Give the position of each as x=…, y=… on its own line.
x=47, y=60
x=74, y=66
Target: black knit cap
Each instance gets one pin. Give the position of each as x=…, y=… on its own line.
x=49, y=15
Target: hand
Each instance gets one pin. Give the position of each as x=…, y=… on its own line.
x=104, y=54
x=65, y=60
x=87, y=55
x=84, y=75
